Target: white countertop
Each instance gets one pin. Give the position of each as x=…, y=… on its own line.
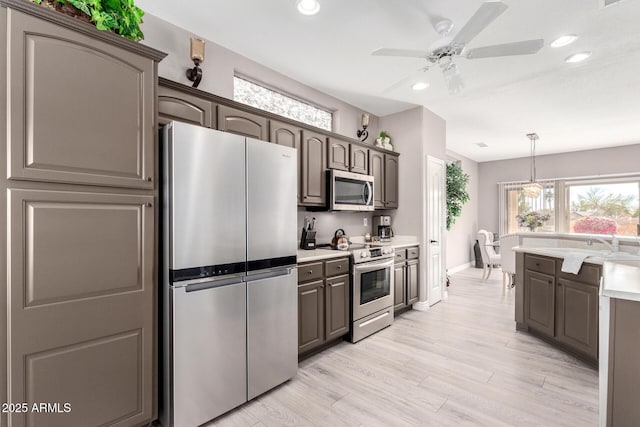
x=397, y=242
x=621, y=280
x=559, y=253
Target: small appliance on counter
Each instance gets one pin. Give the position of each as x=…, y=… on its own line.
x=340, y=240
x=308, y=239
x=382, y=227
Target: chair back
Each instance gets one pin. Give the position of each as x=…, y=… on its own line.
x=483, y=239
x=507, y=255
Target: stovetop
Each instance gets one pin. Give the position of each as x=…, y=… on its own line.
x=363, y=252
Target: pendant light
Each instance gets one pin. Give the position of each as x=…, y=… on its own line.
x=532, y=189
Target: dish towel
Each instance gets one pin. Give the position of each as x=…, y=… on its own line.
x=573, y=262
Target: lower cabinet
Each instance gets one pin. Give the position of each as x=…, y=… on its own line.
x=562, y=307
x=406, y=278
x=323, y=302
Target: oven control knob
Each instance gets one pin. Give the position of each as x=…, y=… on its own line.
x=364, y=254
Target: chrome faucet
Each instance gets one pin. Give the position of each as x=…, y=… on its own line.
x=614, y=246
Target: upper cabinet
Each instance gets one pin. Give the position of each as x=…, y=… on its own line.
x=384, y=168
x=80, y=110
x=290, y=136
x=347, y=157
x=313, y=168
x=242, y=123
x=176, y=105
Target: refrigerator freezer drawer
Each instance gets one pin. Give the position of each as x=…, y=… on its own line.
x=209, y=348
x=272, y=331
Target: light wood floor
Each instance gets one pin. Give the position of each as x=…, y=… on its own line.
x=460, y=363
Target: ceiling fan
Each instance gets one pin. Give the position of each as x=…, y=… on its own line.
x=444, y=55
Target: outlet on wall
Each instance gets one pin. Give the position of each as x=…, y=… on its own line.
x=365, y=222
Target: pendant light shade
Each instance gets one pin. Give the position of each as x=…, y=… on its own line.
x=532, y=189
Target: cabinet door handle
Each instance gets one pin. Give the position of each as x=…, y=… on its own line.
x=537, y=264
x=339, y=267
x=322, y=286
x=149, y=179
x=310, y=272
x=148, y=204
x=559, y=284
x=551, y=281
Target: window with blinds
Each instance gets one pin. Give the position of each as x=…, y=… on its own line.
x=518, y=213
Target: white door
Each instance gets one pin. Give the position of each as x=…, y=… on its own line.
x=435, y=228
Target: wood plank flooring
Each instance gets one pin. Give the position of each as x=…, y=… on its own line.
x=462, y=363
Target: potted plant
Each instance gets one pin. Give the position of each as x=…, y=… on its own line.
x=118, y=16
x=384, y=141
x=457, y=194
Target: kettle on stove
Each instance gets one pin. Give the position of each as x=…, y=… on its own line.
x=340, y=240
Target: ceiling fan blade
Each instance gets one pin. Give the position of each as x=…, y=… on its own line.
x=410, y=53
x=406, y=80
x=484, y=16
x=526, y=47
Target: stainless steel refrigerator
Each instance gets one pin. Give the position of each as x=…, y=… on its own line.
x=229, y=316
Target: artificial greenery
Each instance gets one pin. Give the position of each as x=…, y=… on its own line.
x=119, y=16
x=457, y=194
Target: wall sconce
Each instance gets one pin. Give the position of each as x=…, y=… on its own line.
x=363, y=134
x=197, y=56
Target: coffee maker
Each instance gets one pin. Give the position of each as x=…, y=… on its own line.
x=382, y=227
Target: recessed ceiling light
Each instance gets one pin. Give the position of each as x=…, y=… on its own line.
x=308, y=7
x=481, y=144
x=564, y=40
x=577, y=57
x=420, y=86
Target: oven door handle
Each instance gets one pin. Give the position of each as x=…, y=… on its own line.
x=373, y=265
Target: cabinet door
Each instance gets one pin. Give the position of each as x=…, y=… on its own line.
x=83, y=313
x=176, y=105
x=338, y=157
x=359, y=159
x=290, y=136
x=540, y=299
x=310, y=315
x=577, y=316
x=399, y=286
x=413, y=280
x=376, y=168
x=313, y=168
x=390, y=181
x=242, y=123
x=80, y=110
x=337, y=303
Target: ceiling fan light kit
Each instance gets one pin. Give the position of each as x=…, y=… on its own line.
x=577, y=57
x=562, y=41
x=308, y=7
x=445, y=55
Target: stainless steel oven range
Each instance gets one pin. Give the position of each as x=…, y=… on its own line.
x=372, y=290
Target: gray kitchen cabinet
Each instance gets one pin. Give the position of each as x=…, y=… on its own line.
x=323, y=303
x=376, y=168
x=577, y=316
x=242, y=123
x=338, y=154
x=177, y=105
x=359, y=159
x=390, y=181
x=313, y=168
x=79, y=211
x=623, y=372
x=562, y=307
x=81, y=110
x=310, y=315
x=290, y=136
x=406, y=278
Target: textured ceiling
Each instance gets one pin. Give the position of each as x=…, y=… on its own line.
x=572, y=107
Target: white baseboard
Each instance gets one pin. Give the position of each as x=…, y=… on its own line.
x=459, y=268
x=421, y=306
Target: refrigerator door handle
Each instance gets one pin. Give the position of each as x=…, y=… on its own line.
x=270, y=274
x=195, y=287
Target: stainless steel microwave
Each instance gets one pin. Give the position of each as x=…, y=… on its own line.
x=350, y=191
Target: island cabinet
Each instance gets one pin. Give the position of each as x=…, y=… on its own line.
x=562, y=307
x=313, y=168
x=78, y=175
x=345, y=156
x=406, y=278
x=323, y=303
x=384, y=168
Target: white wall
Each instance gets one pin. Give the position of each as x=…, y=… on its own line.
x=219, y=67
x=603, y=161
x=462, y=236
